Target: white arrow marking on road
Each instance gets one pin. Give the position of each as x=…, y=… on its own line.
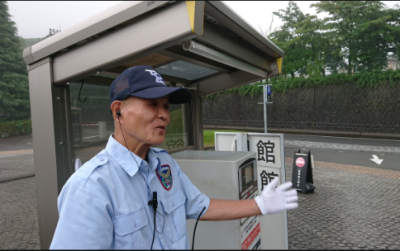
x=376, y=159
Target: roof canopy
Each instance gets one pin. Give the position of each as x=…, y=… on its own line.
x=198, y=45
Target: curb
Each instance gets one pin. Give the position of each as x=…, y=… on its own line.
x=309, y=132
x=18, y=177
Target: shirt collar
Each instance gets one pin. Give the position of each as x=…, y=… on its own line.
x=124, y=157
x=154, y=162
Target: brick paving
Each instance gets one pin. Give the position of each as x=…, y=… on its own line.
x=18, y=215
x=353, y=207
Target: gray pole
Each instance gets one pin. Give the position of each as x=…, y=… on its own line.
x=265, y=107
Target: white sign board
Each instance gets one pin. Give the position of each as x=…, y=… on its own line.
x=269, y=149
x=230, y=141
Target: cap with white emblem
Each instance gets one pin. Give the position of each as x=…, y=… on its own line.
x=145, y=82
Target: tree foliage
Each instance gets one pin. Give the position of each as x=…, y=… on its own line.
x=14, y=88
x=356, y=36
x=359, y=27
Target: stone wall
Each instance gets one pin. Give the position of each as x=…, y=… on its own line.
x=344, y=107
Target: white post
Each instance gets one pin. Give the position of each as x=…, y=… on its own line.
x=264, y=103
x=102, y=130
x=265, y=107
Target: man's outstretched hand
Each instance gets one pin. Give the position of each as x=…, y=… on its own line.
x=274, y=200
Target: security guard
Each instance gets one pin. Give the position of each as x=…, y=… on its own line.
x=134, y=196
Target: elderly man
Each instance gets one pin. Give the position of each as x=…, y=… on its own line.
x=134, y=196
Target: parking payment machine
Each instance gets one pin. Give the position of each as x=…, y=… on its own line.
x=269, y=149
x=223, y=175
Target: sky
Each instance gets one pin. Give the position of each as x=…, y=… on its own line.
x=35, y=18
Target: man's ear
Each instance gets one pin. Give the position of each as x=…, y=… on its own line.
x=115, y=107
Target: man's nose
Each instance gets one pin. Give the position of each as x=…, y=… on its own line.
x=163, y=113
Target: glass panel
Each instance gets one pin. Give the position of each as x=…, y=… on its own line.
x=184, y=70
x=178, y=130
x=92, y=122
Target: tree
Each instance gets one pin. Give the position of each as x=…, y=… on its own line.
x=393, y=32
x=358, y=27
x=284, y=38
x=14, y=88
x=303, y=44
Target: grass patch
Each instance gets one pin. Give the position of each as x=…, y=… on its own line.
x=208, y=136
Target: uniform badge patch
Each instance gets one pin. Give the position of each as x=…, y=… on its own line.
x=165, y=176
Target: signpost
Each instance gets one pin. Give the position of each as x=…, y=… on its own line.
x=266, y=100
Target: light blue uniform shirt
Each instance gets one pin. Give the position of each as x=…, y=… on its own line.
x=104, y=205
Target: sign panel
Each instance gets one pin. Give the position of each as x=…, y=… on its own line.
x=225, y=141
x=274, y=226
x=266, y=175
x=268, y=148
x=302, y=177
x=269, y=94
x=250, y=234
x=229, y=141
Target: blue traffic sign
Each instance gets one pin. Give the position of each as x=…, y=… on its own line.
x=268, y=90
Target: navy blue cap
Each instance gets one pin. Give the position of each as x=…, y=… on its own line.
x=144, y=82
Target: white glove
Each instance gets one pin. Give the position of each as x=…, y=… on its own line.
x=273, y=200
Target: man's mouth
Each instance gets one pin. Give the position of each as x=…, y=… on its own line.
x=161, y=127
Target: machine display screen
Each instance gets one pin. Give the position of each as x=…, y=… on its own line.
x=247, y=179
x=247, y=174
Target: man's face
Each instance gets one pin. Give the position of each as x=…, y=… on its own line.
x=146, y=120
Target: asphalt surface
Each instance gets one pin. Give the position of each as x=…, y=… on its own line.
x=355, y=204
x=344, y=140
x=16, y=143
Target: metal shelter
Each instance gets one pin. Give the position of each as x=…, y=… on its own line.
x=200, y=45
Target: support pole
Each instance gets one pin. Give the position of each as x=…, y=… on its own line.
x=264, y=103
x=265, y=107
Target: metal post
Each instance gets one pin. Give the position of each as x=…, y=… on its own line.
x=265, y=107
x=264, y=103
x=102, y=129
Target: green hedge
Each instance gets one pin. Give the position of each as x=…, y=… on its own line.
x=15, y=127
x=280, y=83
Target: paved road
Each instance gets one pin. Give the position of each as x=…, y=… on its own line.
x=343, y=140
x=16, y=143
x=340, y=150
x=352, y=151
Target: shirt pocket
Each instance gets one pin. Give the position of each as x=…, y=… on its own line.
x=175, y=215
x=129, y=230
